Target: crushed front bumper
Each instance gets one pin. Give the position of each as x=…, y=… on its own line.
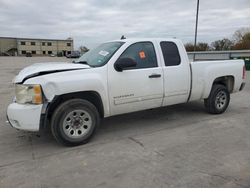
x=24, y=116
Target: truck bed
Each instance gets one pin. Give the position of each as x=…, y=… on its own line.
x=204, y=72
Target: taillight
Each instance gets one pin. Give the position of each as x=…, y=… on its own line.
x=244, y=72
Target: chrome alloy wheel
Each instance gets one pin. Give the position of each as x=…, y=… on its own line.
x=221, y=100
x=77, y=123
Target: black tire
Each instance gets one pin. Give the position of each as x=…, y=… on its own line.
x=215, y=104
x=66, y=110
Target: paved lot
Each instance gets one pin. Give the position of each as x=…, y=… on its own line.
x=177, y=146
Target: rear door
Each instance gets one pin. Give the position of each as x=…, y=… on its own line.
x=176, y=73
x=136, y=88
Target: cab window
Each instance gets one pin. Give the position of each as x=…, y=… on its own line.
x=170, y=53
x=143, y=53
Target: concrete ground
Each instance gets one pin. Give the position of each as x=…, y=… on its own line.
x=177, y=146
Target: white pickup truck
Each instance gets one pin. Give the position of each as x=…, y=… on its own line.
x=118, y=77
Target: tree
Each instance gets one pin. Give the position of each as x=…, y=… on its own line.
x=189, y=47
x=83, y=49
x=242, y=39
x=240, y=33
x=224, y=44
x=201, y=46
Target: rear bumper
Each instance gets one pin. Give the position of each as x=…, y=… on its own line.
x=242, y=86
x=24, y=116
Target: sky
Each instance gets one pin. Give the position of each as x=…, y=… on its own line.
x=90, y=22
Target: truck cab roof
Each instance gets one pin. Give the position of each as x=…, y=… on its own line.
x=132, y=40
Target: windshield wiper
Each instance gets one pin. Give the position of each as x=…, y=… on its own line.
x=81, y=62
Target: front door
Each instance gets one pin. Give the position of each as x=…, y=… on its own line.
x=136, y=88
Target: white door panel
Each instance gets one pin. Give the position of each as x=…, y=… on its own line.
x=177, y=83
x=133, y=90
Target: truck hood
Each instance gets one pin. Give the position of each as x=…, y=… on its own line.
x=39, y=69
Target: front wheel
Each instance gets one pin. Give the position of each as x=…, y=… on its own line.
x=218, y=100
x=74, y=122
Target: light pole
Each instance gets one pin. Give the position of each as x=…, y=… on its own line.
x=196, y=27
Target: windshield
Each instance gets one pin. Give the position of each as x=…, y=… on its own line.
x=100, y=55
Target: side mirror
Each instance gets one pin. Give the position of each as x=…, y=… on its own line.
x=123, y=63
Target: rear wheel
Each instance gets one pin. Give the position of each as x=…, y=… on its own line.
x=218, y=100
x=74, y=122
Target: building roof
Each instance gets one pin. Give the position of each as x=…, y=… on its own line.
x=17, y=38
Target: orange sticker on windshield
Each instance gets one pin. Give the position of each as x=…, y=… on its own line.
x=142, y=54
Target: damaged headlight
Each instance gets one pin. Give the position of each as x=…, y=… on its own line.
x=28, y=94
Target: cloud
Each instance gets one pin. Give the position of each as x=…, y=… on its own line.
x=93, y=21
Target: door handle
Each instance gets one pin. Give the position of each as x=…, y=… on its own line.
x=154, y=76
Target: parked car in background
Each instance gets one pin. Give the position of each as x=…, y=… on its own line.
x=118, y=77
x=28, y=54
x=74, y=54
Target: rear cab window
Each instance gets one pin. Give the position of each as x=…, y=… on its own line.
x=170, y=53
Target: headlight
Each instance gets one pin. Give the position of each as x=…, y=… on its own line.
x=28, y=94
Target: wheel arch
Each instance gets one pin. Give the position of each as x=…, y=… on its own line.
x=227, y=81
x=91, y=96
